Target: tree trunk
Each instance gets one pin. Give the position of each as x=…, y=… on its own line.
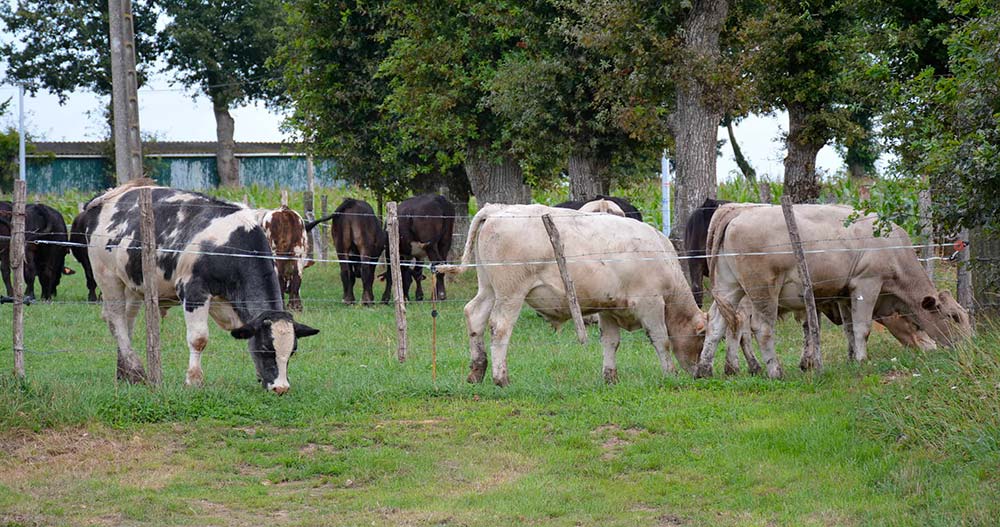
x=495, y=181
x=855, y=169
x=801, y=182
x=457, y=192
x=748, y=172
x=225, y=158
x=587, y=176
x=696, y=124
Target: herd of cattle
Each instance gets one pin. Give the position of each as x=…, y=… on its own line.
x=235, y=264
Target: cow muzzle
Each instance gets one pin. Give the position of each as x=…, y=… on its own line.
x=279, y=388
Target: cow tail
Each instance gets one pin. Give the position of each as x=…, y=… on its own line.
x=314, y=223
x=470, y=242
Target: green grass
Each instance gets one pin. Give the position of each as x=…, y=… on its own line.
x=363, y=439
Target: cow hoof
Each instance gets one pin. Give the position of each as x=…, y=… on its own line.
x=194, y=378
x=611, y=375
x=810, y=363
x=754, y=369
x=502, y=381
x=732, y=369
x=775, y=372
x=349, y=301
x=419, y=297
x=295, y=306
x=476, y=374
x=703, y=371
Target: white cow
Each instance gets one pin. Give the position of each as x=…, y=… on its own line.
x=624, y=270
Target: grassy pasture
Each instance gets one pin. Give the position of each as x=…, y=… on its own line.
x=905, y=439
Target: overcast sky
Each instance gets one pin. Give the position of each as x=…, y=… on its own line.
x=172, y=114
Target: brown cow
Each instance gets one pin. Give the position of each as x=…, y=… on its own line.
x=359, y=238
x=287, y=233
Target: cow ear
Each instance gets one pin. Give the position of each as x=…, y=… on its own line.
x=243, y=332
x=302, y=330
x=929, y=303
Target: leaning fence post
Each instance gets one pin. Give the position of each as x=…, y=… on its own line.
x=574, y=305
x=813, y=358
x=392, y=223
x=17, y=273
x=150, y=286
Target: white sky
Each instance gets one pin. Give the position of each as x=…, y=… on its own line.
x=173, y=115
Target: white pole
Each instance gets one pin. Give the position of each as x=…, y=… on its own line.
x=20, y=132
x=665, y=189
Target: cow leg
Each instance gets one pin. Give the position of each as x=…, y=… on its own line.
x=407, y=279
x=418, y=278
x=346, y=277
x=477, y=315
x=133, y=303
x=863, y=298
x=716, y=330
x=434, y=257
x=368, y=280
x=811, y=358
x=763, y=319
x=506, y=310
x=610, y=339
x=294, y=284
x=114, y=312
x=745, y=336
x=732, y=366
x=196, y=320
x=651, y=316
x=847, y=323
x=29, y=272
x=5, y=270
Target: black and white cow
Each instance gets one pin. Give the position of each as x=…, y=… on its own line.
x=206, y=263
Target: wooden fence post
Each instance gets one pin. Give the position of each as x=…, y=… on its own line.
x=926, y=231
x=17, y=273
x=310, y=215
x=150, y=286
x=324, y=232
x=574, y=305
x=964, y=275
x=812, y=357
x=392, y=223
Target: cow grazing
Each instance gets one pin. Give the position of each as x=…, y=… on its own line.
x=877, y=274
x=358, y=236
x=626, y=207
x=214, y=260
x=695, y=234
x=289, y=243
x=625, y=271
x=425, y=229
x=44, y=260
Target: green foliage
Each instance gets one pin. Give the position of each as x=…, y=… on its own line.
x=221, y=46
x=63, y=45
x=947, y=124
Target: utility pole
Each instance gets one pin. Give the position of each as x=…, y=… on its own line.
x=124, y=99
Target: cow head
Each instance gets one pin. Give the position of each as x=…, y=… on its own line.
x=687, y=337
x=907, y=332
x=51, y=268
x=273, y=337
x=943, y=318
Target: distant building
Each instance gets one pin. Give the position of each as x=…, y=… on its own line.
x=55, y=167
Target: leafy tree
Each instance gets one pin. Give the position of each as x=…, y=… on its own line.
x=329, y=53
x=64, y=45
x=443, y=56
x=221, y=47
x=797, y=56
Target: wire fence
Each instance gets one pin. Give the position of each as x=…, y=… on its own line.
x=856, y=246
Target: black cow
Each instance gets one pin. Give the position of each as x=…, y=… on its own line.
x=358, y=236
x=46, y=261
x=78, y=237
x=426, y=223
x=629, y=209
x=695, y=237
x=214, y=260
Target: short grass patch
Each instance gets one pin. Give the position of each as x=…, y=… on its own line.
x=363, y=439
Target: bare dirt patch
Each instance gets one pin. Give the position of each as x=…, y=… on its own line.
x=614, y=439
x=78, y=454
